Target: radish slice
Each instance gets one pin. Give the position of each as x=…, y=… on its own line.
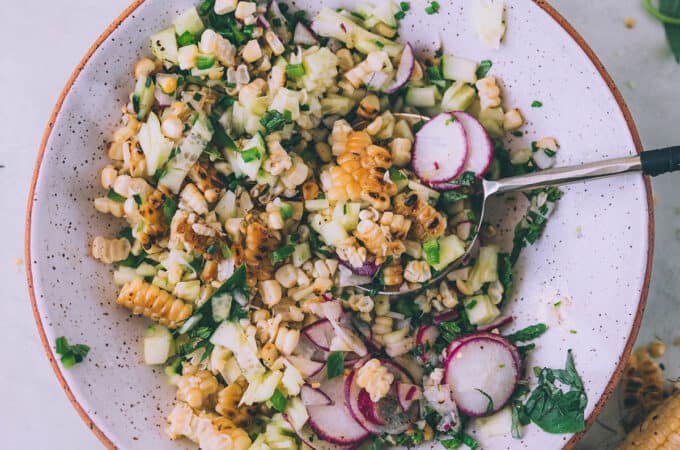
x=320, y=334
x=485, y=335
x=501, y=321
x=349, y=278
x=440, y=149
x=406, y=66
x=307, y=367
x=314, y=397
x=367, y=408
x=312, y=441
x=352, y=392
x=483, y=374
x=407, y=394
x=367, y=270
x=333, y=422
x=479, y=143
x=304, y=35
x=445, y=317
x=427, y=335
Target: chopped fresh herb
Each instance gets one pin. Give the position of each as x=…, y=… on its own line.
x=404, y=6
x=669, y=14
x=273, y=121
x=517, y=133
x=573, y=331
x=432, y=251
x=205, y=7
x=484, y=67
x=453, y=196
x=198, y=96
x=237, y=312
x=399, y=15
x=554, y=410
x=450, y=120
x=212, y=249
x=70, y=354
x=471, y=305
x=549, y=152
x=536, y=104
x=286, y=211
x=220, y=137
x=250, y=155
x=295, y=70
x=282, y=253
x=317, y=246
x=505, y=273
x=433, y=8
x=466, y=179
x=396, y=174
x=127, y=234
x=279, y=401
x=115, y=196
x=418, y=125
x=379, y=44
x=138, y=199
x=525, y=349
x=226, y=251
x=133, y=261
x=186, y=38
x=204, y=61
x=336, y=364
x=489, y=406
x=528, y=334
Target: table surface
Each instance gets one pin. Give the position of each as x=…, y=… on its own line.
x=46, y=41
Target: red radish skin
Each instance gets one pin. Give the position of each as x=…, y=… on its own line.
x=427, y=335
x=405, y=69
x=480, y=146
x=440, y=149
x=352, y=391
x=334, y=423
x=320, y=334
x=314, y=397
x=407, y=394
x=312, y=441
x=445, y=317
x=482, y=365
x=479, y=335
x=367, y=408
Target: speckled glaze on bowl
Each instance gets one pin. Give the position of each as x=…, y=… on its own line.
x=594, y=257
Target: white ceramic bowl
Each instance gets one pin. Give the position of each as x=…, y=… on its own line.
x=596, y=249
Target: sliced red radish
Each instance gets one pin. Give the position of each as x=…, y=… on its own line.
x=368, y=269
x=407, y=394
x=440, y=149
x=501, y=321
x=368, y=409
x=352, y=392
x=483, y=374
x=445, y=317
x=349, y=278
x=307, y=367
x=483, y=334
x=333, y=422
x=427, y=335
x=314, y=397
x=479, y=143
x=320, y=334
x=303, y=35
x=406, y=66
x=312, y=441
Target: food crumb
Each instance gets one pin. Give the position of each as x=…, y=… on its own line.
x=629, y=22
x=676, y=342
x=18, y=262
x=630, y=84
x=656, y=348
x=579, y=232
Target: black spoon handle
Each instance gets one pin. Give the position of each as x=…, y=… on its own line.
x=664, y=160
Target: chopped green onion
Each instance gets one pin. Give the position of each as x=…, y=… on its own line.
x=404, y=6
x=400, y=15
x=70, y=354
x=295, y=70
x=169, y=208
x=549, y=152
x=250, y=155
x=432, y=251
x=536, y=104
x=282, y=253
x=226, y=251
x=185, y=39
x=396, y=174
x=484, y=67
x=279, y=401
x=286, y=211
x=115, y=196
x=204, y=61
x=517, y=133
x=273, y=121
x=212, y=249
x=433, y=8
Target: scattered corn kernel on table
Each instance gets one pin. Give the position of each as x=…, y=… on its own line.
x=51, y=39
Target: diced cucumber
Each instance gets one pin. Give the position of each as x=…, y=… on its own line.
x=162, y=283
x=332, y=232
x=480, y=310
x=143, y=98
x=189, y=21
x=296, y=412
x=459, y=69
x=158, y=345
x=188, y=290
x=155, y=146
x=190, y=150
x=485, y=269
x=286, y=100
x=331, y=24
x=347, y=214
x=450, y=249
x=164, y=45
x=422, y=97
x=124, y=275
x=458, y=97
x=231, y=336
x=492, y=120
x=430, y=194
x=221, y=306
x=226, y=208
x=262, y=388
x=301, y=254
x=251, y=167
x=146, y=270
x=335, y=104
x=317, y=205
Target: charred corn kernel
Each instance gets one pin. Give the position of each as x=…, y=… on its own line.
x=143, y=68
x=196, y=389
x=271, y=293
x=269, y=353
x=110, y=250
x=661, y=429
x=489, y=92
x=369, y=107
x=225, y=6
x=463, y=288
x=361, y=303
x=417, y=271
x=187, y=56
x=252, y=51
x=149, y=301
x=428, y=223
x=310, y=190
x=375, y=378
x=274, y=43
x=512, y=120
x=244, y=10
x=172, y=127
x=656, y=349
x=194, y=199
x=417, y=73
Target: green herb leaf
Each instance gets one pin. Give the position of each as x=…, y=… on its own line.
x=536, y=104
x=169, y=208
x=397, y=175
x=273, y=121
x=453, y=196
x=466, y=179
x=433, y=8
x=286, y=211
x=250, y=155
x=185, y=39
x=279, y=401
x=127, y=234
x=70, y=354
x=138, y=199
x=295, y=70
x=489, y=406
x=204, y=61
x=116, y=197
x=669, y=14
x=335, y=365
x=528, y=334
x=404, y=6
x=282, y=253
x=399, y=15
x=220, y=137
x=484, y=67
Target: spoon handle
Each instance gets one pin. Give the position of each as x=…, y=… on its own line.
x=653, y=162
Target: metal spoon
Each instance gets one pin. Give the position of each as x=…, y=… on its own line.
x=652, y=163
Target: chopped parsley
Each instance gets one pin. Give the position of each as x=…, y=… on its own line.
x=279, y=401
x=536, y=104
x=433, y=8
x=70, y=354
x=115, y=196
x=169, y=208
x=484, y=67
x=379, y=44
x=336, y=364
x=273, y=121
x=282, y=253
x=295, y=70
x=528, y=334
